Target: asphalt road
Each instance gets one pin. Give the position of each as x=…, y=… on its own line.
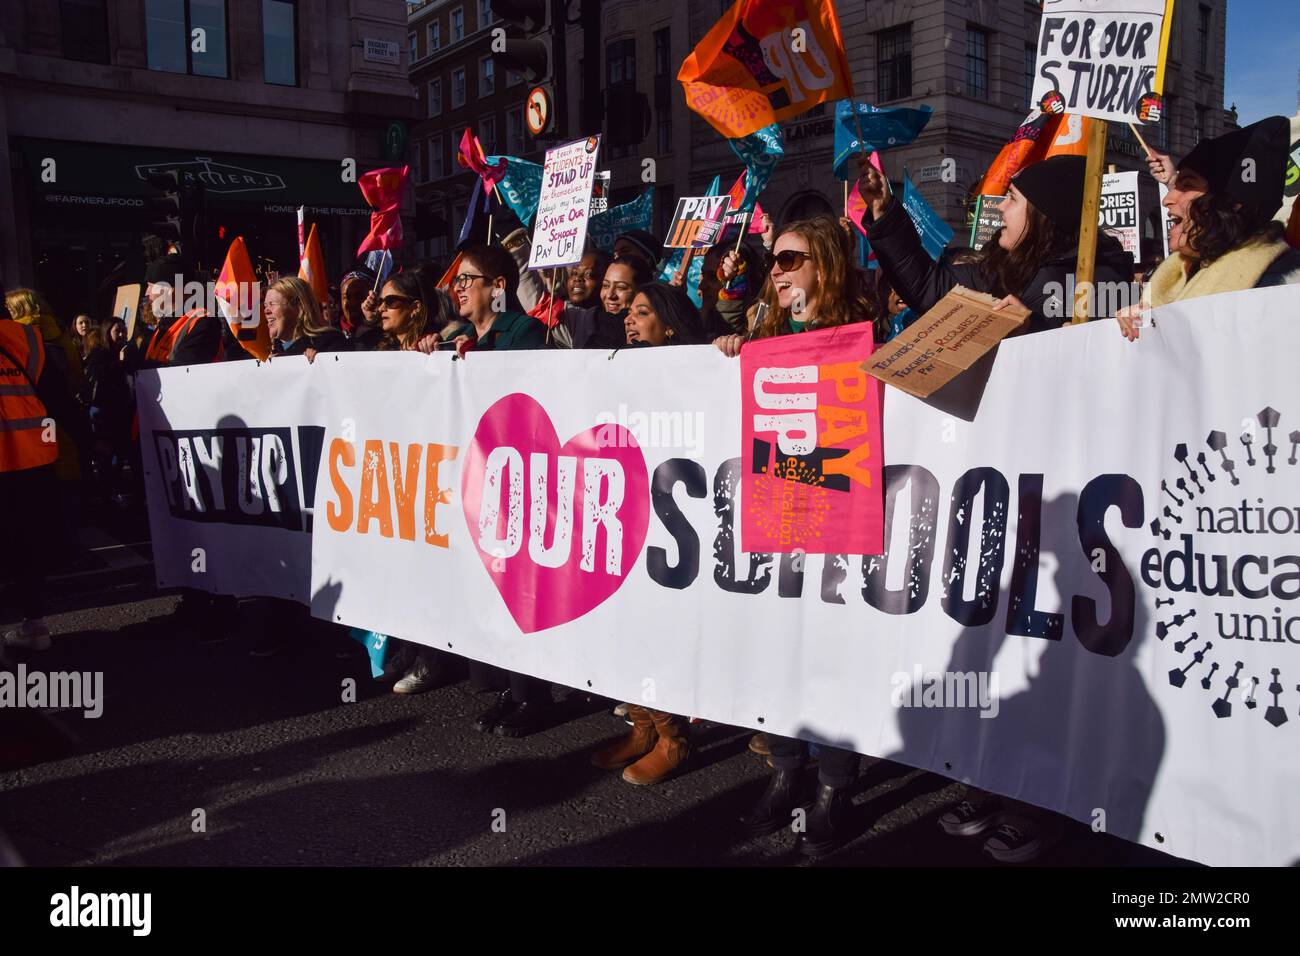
x=286, y=773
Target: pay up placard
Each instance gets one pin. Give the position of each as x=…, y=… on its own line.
x=564, y=206
x=1102, y=58
x=697, y=222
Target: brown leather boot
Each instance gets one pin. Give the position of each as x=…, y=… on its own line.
x=632, y=747
x=668, y=754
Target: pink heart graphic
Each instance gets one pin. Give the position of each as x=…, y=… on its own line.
x=554, y=565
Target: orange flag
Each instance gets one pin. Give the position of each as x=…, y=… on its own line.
x=1041, y=135
x=239, y=299
x=746, y=74
x=452, y=270
x=311, y=267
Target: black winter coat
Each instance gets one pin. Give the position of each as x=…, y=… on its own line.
x=921, y=282
x=331, y=340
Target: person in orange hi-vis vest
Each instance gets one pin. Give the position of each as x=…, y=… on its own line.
x=29, y=390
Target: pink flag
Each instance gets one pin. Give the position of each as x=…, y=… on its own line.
x=857, y=205
x=383, y=191
x=471, y=156
x=811, y=444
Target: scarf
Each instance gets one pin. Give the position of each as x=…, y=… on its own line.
x=1241, y=268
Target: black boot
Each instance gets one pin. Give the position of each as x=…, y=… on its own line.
x=524, y=719
x=827, y=823
x=502, y=706
x=773, y=809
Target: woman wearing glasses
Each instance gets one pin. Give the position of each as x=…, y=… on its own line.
x=812, y=284
x=486, y=293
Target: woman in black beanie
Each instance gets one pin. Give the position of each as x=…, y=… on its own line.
x=1028, y=260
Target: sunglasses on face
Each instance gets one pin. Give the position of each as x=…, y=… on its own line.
x=466, y=279
x=395, y=301
x=790, y=259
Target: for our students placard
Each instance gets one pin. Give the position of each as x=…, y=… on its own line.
x=564, y=207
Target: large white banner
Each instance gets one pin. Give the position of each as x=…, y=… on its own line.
x=1087, y=599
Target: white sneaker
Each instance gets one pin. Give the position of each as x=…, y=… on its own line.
x=32, y=634
x=416, y=680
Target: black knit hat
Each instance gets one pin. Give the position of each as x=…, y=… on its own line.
x=1055, y=188
x=1247, y=165
x=647, y=243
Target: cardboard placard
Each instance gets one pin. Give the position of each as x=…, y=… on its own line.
x=697, y=222
x=600, y=193
x=944, y=342
x=1118, y=214
x=564, y=206
x=126, y=306
x=1102, y=58
x=988, y=220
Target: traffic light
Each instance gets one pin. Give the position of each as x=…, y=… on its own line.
x=516, y=45
x=165, y=208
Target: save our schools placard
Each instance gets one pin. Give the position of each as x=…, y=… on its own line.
x=811, y=445
x=1119, y=210
x=564, y=207
x=1103, y=58
x=697, y=222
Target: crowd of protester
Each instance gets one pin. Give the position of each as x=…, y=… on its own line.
x=802, y=276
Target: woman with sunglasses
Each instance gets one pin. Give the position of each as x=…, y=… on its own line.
x=1027, y=261
x=812, y=284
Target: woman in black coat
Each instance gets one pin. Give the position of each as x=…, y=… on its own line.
x=1029, y=260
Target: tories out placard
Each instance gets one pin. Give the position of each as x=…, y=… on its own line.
x=1102, y=58
x=564, y=207
x=1119, y=210
x=810, y=444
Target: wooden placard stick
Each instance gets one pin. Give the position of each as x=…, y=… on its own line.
x=1085, y=269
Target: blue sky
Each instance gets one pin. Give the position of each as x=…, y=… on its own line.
x=1263, y=58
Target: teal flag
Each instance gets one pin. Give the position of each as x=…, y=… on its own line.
x=604, y=227
x=520, y=187
x=934, y=232
x=760, y=151
x=881, y=128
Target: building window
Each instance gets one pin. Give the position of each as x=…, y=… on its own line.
x=484, y=13
x=435, y=96
x=486, y=77
x=279, y=42
x=84, y=25
x=894, y=63
x=458, y=87
x=1202, y=124
x=186, y=36
x=417, y=159
x=434, y=36
x=1030, y=56
x=415, y=49
x=1164, y=129
x=487, y=134
x=620, y=62
x=515, y=131
x=437, y=163
x=1203, y=37
x=457, y=25
x=664, y=127
x=977, y=62
x=663, y=52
